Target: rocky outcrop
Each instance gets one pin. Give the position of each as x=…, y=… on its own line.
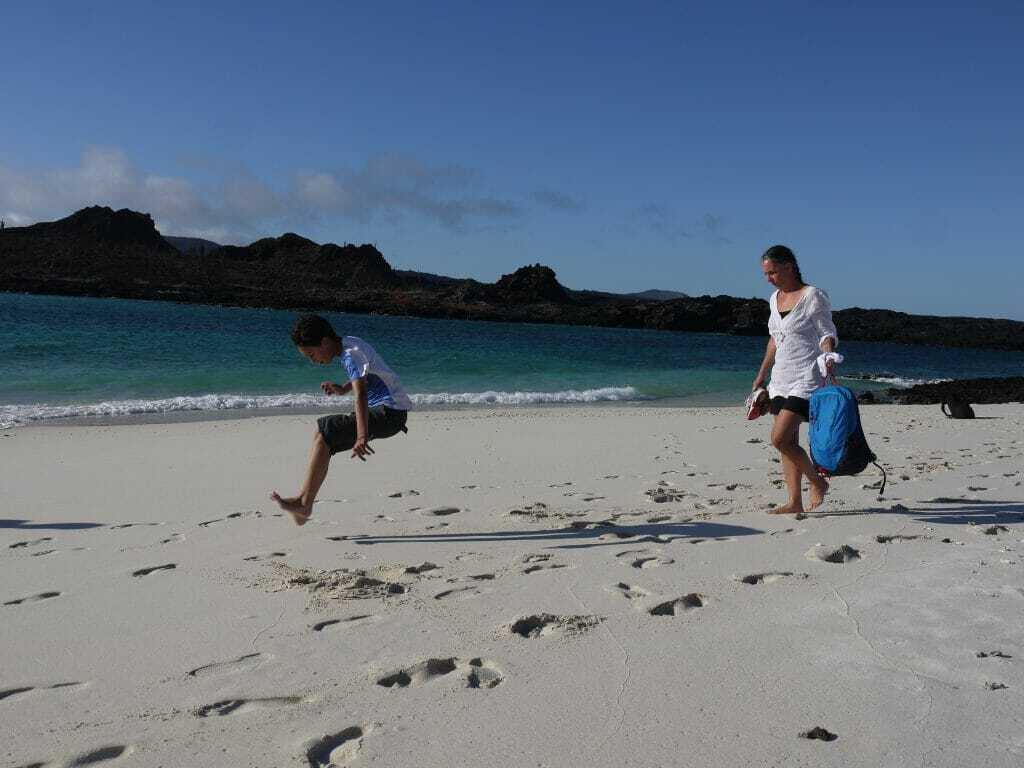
x=101, y=252
x=887, y=325
x=975, y=391
x=530, y=285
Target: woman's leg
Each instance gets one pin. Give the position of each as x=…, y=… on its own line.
x=796, y=464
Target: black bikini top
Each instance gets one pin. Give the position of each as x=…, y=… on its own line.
x=783, y=314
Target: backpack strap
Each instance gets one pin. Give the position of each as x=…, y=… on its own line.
x=884, y=478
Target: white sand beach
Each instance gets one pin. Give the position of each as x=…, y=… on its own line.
x=596, y=586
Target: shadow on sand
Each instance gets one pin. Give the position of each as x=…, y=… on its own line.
x=26, y=525
x=945, y=510
x=583, y=534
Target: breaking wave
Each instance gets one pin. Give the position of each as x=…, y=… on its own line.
x=18, y=415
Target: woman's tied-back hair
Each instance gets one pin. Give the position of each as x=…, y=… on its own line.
x=780, y=254
x=310, y=330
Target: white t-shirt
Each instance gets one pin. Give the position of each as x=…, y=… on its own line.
x=382, y=384
x=798, y=339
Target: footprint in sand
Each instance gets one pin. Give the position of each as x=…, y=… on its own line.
x=545, y=624
x=839, y=556
x=537, y=511
x=679, y=605
x=992, y=655
x=33, y=598
x=153, y=569
x=337, y=749
x=651, y=561
x=30, y=543
x=629, y=591
x=421, y=568
x=122, y=526
x=477, y=673
x=265, y=556
x=101, y=755
x=351, y=621
x=663, y=494
x=770, y=577
x=899, y=538
x=537, y=558
x=232, y=516
x=232, y=706
x=544, y=567
x=403, y=494
x=245, y=663
x=9, y=692
x=818, y=734
x=440, y=511
x=457, y=593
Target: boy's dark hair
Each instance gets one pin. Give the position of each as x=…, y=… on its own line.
x=310, y=330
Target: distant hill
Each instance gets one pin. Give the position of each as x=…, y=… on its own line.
x=192, y=246
x=655, y=294
x=101, y=252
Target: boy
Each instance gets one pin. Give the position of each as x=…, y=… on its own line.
x=380, y=406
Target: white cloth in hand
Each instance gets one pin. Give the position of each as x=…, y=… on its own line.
x=828, y=357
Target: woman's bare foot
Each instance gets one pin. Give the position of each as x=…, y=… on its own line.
x=817, y=495
x=293, y=506
x=787, y=509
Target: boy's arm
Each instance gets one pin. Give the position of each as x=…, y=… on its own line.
x=362, y=446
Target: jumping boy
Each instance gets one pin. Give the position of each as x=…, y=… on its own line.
x=380, y=408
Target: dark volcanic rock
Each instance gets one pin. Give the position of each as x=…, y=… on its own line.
x=899, y=327
x=530, y=285
x=101, y=252
x=976, y=391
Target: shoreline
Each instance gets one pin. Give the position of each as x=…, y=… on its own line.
x=241, y=414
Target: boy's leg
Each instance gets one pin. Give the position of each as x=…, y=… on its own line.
x=301, y=507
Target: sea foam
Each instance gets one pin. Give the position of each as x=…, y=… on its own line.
x=19, y=415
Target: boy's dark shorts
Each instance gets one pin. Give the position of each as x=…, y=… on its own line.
x=797, y=405
x=339, y=430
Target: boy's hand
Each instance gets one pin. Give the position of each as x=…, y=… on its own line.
x=361, y=449
x=330, y=388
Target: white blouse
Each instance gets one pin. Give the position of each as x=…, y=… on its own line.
x=798, y=339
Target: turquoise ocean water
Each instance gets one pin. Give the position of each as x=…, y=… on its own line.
x=67, y=357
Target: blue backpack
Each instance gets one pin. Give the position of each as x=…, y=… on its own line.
x=838, y=445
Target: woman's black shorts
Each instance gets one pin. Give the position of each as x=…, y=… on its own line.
x=797, y=405
x=339, y=430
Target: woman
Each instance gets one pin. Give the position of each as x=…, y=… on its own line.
x=801, y=356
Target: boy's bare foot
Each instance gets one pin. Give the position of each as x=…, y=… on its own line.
x=787, y=509
x=817, y=494
x=294, y=507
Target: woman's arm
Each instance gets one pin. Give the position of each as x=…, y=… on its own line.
x=766, y=364
x=821, y=316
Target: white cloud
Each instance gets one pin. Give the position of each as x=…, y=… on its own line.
x=240, y=207
x=558, y=201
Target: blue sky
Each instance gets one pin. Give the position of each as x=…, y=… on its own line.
x=628, y=146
